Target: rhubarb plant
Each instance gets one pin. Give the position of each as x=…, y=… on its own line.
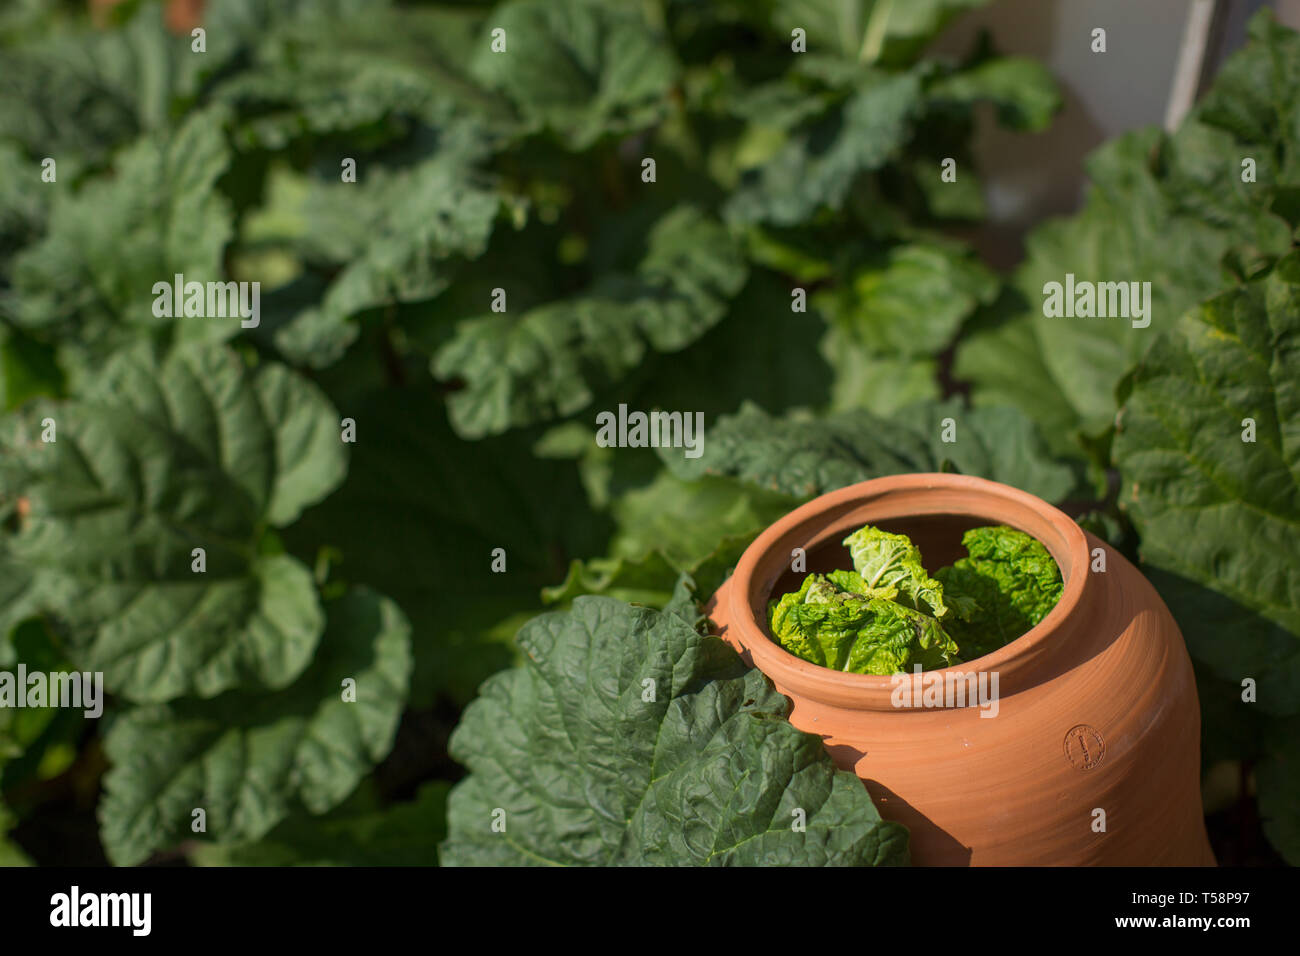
x=325, y=508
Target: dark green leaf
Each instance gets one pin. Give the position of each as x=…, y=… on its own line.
x=548, y=362
x=246, y=760
x=421, y=514
x=580, y=68
x=358, y=833
x=819, y=163
x=587, y=769
x=1212, y=507
x=806, y=455
x=158, y=458
x=91, y=278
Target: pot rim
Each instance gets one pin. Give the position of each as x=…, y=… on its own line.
x=890, y=498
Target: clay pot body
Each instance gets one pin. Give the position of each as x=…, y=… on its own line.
x=1096, y=706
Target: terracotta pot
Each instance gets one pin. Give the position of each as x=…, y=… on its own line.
x=1096, y=707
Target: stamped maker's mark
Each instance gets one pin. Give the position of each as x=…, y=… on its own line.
x=1084, y=747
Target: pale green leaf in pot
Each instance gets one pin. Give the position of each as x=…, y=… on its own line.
x=852, y=581
x=855, y=632
x=885, y=560
x=1006, y=585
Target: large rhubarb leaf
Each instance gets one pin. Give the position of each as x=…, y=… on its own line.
x=806, y=455
x=818, y=163
x=421, y=516
x=1171, y=210
x=548, y=362
x=1212, y=507
x=582, y=69
x=90, y=280
x=248, y=760
x=627, y=737
x=155, y=459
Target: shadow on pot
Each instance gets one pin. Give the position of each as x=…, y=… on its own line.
x=926, y=838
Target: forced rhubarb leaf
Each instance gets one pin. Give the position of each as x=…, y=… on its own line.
x=157, y=458
x=859, y=634
x=802, y=454
x=1208, y=447
x=1005, y=586
x=885, y=561
x=627, y=737
x=548, y=362
x=852, y=581
x=248, y=760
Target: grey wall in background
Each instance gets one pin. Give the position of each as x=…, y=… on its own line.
x=1030, y=177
